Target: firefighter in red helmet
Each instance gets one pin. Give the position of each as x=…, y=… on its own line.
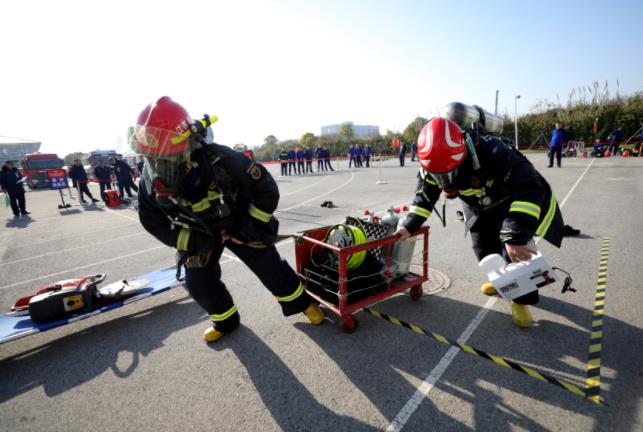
x=506, y=201
x=200, y=197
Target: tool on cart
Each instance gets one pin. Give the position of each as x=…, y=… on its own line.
x=357, y=263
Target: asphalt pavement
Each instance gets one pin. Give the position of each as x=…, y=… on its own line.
x=144, y=367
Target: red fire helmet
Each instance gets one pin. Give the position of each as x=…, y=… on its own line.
x=160, y=129
x=442, y=149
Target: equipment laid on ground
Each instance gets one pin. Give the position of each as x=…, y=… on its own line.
x=111, y=198
x=349, y=266
x=519, y=278
x=18, y=324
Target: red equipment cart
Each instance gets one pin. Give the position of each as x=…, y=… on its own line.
x=307, y=240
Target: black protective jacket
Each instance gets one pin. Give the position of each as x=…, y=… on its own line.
x=236, y=195
x=507, y=183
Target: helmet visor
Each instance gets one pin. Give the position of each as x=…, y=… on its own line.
x=166, y=153
x=445, y=180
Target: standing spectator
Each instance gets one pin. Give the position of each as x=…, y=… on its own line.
x=283, y=161
x=140, y=166
x=320, y=158
x=124, y=177
x=367, y=155
x=327, y=159
x=308, y=155
x=300, y=161
x=414, y=148
x=77, y=173
x=402, y=153
x=357, y=155
x=351, y=155
x=11, y=183
x=616, y=138
x=556, y=145
x=291, y=162
x=104, y=177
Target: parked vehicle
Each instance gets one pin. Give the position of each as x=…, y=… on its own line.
x=35, y=166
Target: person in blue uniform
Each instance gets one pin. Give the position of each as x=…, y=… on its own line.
x=292, y=167
x=78, y=174
x=308, y=155
x=616, y=139
x=319, y=153
x=367, y=155
x=357, y=156
x=556, y=145
x=11, y=183
x=327, y=163
x=351, y=155
x=200, y=198
x=300, y=161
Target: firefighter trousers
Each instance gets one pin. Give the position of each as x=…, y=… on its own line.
x=485, y=237
x=206, y=288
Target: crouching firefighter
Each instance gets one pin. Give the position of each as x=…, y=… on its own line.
x=200, y=197
x=506, y=201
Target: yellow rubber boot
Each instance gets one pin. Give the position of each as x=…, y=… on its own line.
x=521, y=315
x=314, y=314
x=212, y=335
x=488, y=289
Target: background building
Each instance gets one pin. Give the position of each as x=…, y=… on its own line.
x=16, y=148
x=360, y=131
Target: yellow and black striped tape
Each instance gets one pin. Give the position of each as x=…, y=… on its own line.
x=496, y=359
x=593, y=382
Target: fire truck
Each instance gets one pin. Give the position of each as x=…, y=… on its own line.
x=35, y=166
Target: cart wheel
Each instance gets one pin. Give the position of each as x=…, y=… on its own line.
x=416, y=292
x=349, y=323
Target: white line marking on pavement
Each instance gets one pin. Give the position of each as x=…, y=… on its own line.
x=299, y=190
x=317, y=196
x=72, y=249
x=81, y=267
x=429, y=382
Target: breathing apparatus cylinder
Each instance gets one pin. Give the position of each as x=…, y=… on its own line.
x=402, y=254
x=345, y=235
x=467, y=116
x=391, y=220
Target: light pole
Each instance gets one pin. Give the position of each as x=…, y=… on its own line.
x=516, y=118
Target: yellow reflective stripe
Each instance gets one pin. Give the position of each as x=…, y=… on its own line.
x=422, y=212
x=429, y=180
x=182, y=239
x=525, y=207
x=489, y=183
x=549, y=217
x=299, y=291
x=225, y=315
x=204, y=204
x=470, y=192
x=259, y=214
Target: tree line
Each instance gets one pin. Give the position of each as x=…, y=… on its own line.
x=577, y=118
x=584, y=106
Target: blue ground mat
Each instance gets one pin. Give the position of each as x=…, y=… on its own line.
x=17, y=326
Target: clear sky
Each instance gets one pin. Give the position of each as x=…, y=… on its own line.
x=74, y=75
